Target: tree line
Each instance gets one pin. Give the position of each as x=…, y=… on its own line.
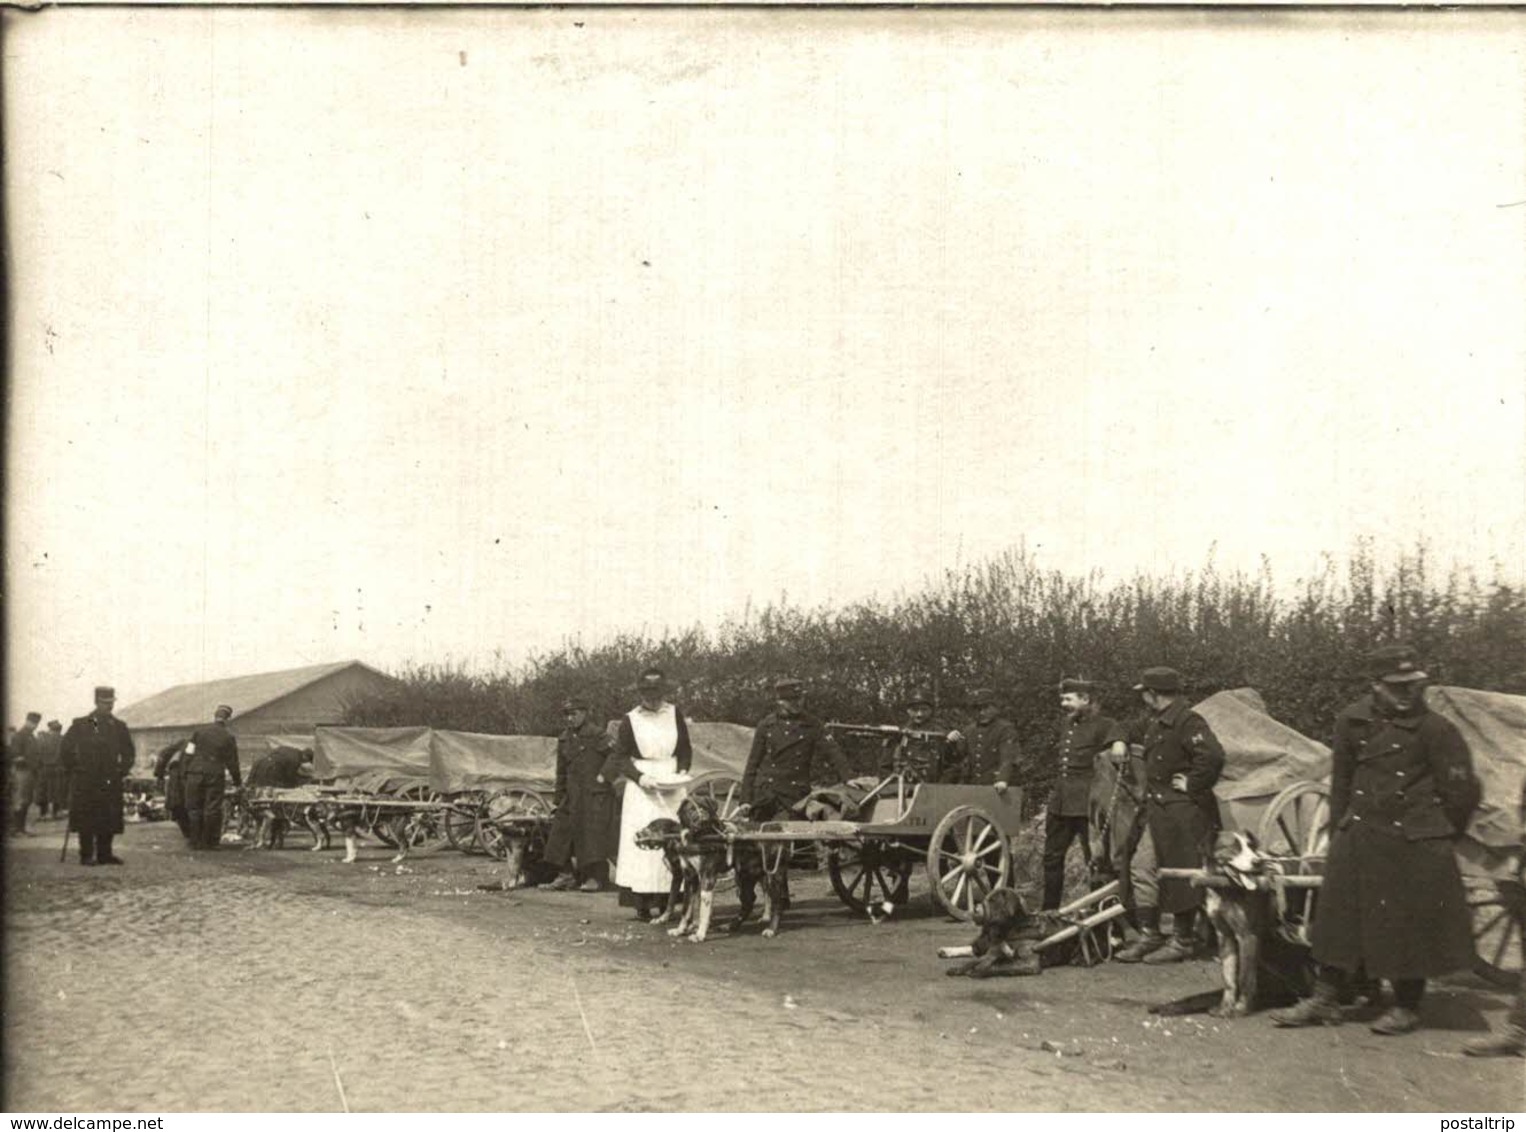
x=1007, y=624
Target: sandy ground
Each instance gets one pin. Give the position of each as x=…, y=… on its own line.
x=269, y=981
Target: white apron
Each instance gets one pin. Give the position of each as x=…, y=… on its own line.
x=656, y=733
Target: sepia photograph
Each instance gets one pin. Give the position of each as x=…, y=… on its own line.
x=764, y=559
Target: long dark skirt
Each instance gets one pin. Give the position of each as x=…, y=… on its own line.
x=1393, y=906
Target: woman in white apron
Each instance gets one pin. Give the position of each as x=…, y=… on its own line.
x=652, y=754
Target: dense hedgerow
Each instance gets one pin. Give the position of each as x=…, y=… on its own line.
x=1014, y=627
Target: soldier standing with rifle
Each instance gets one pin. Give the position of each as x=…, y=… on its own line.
x=211, y=754
x=96, y=754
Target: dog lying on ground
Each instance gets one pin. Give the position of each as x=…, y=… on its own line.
x=1260, y=969
x=1008, y=941
x=697, y=854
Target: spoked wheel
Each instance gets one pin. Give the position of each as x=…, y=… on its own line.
x=461, y=821
x=1297, y=824
x=1499, y=918
x=1296, y=827
x=868, y=875
x=967, y=858
x=418, y=831
x=723, y=792
x=496, y=825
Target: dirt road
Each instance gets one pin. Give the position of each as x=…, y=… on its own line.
x=272, y=981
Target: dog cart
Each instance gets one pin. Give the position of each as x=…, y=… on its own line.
x=1294, y=838
x=961, y=835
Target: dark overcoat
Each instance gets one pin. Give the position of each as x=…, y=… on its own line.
x=167, y=767
x=1401, y=789
x=1179, y=741
x=96, y=754
x=991, y=752
x=1081, y=741
x=781, y=766
x=587, y=821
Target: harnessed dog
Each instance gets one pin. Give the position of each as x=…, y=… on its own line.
x=1008, y=943
x=697, y=854
x=1259, y=967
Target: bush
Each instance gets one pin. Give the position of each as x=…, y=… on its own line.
x=1007, y=624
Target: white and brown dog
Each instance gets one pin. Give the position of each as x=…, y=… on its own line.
x=697, y=856
x=1259, y=967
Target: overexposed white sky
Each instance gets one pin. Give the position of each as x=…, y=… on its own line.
x=425, y=335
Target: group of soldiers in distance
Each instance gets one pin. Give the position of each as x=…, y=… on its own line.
x=1402, y=790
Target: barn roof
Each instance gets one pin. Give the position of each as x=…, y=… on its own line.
x=189, y=704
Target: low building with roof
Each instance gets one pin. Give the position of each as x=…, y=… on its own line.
x=269, y=708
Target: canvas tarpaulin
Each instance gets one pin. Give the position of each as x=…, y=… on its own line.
x=1262, y=757
x=1494, y=726
x=462, y=760
x=456, y=761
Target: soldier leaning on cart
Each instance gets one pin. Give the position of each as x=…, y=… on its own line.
x=169, y=768
x=211, y=754
x=1085, y=734
x=1183, y=761
x=1392, y=904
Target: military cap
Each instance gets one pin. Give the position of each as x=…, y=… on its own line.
x=1076, y=684
x=921, y=694
x=223, y=711
x=575, y=703
x=1159, y=680
x=652, y=680
x=788, y=685
x=1395, y=664
x=102, y=692
x=34, y=717
x=980, y=697
x=54, y=725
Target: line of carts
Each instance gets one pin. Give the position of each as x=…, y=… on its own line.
x=960, y=837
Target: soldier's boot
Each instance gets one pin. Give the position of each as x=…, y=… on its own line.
x=1509, y=1042
x=1404, y=1016
x=1149, y=939
x=103, y=853
x=1182, y=945
x=1322, y=1008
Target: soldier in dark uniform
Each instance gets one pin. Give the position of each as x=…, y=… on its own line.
x=991, y=749
x=586, y=826
x=930, y=756
x=284, y=768
x=1085, y=734
x=210, y=757
x=96, y=754
x=24, y=767
x=169, y=768
x=51, y=787
x=1183, y=760
x=786, y=746
x=1402, y=789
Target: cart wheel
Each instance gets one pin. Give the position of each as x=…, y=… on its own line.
x=1297, y=824
x=967, y=858
x=493, y=837
x=723, y=792
x=419, y=831
x=1499, y=918
x=461, y=821
x=867, y=874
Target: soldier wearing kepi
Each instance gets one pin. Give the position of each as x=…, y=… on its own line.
x=1084, y=734
x=585, y=828
x=991, y=747
x=1183, y=760
x=1392, y=904
x=210, y=757
x=786, y=747
x=96, y=753
x=927, y=751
